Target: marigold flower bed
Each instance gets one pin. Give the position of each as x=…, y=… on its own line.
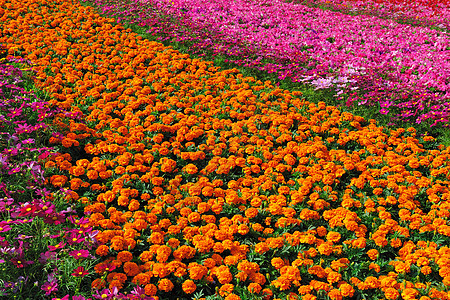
x=203, y=182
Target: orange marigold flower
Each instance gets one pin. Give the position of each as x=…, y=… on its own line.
x=184, y=252
x=77, y=171
x=115, y=284
x=194, y=217
x=134, y=205
x=346, y=290
x=141, y=279
x=102, y=250
x=223, y=274
x=140, y=224
x=402, y=267
x=117, y=243
x=333, y=277
x=267, y=293
x=283, y=283
x=325, y=248
x=254, y=288
x=123, y=200
x=165, y=285
x=333, y=236
x=359, y=243
x=163, y=253
x=131, y=268
x=226, y=289
x=373, y=254
x=150, y=289
x=277, y=262
x=372, y=282
x=92, y=174
x=232, y=297
x=335, y=294
x=243, y=229
x=58, y=180
x=157, y=238
x=124, y=256
x=391, y=293
x=75, y=183
x=98, y=284
x=173, y=242
x=188, y=286
x=116, y=276
x=251, y=212
x=375, y=267
x=191, y=169
x=426, y=270
x=409, y=293
x=377, y=191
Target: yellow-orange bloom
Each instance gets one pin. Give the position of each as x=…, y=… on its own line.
x=188, y=286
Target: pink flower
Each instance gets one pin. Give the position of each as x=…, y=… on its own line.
x=60, y=245
x=80, y=298
x=20, y=262
x=77, y=254
x=79, y=272
x=50, y=287
x=66, y=297
x=75, y=239
x=4, y=228
x=106, y=267
x=55, y=219
x=27, y=209
x=384, y=111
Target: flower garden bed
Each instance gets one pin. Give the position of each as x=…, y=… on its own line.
x=368, y=61
x=419, y=12
x=191, y=182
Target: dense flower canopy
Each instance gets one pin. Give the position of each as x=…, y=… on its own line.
x=203, y=180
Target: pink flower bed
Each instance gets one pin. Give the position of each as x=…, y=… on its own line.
x=418, y=12
x=365, y=59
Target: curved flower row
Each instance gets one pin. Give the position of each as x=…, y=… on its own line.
x=204, y=182
x=367, y=60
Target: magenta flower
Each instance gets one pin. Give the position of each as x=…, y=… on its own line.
x=66, y=297
x=75, y=239
x=139, y=293
x=106, y=267
x=60, y=245
x=77, y=254
x=107, y=294
x=386, y=104
x=20, y=262
x=3, y=242
x=80, y=298
x=28, y=141
x=79, y=222
x=23, y=237
x=50, y=287
x=4, y=227
x=48, y=255
x=3, y=159
x=79, y=272
x=27, y=210
x=384, y=111
x=80, y=230
x=46, y=209
x=55, y=219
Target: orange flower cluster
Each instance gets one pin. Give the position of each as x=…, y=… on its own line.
x=200, y=179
